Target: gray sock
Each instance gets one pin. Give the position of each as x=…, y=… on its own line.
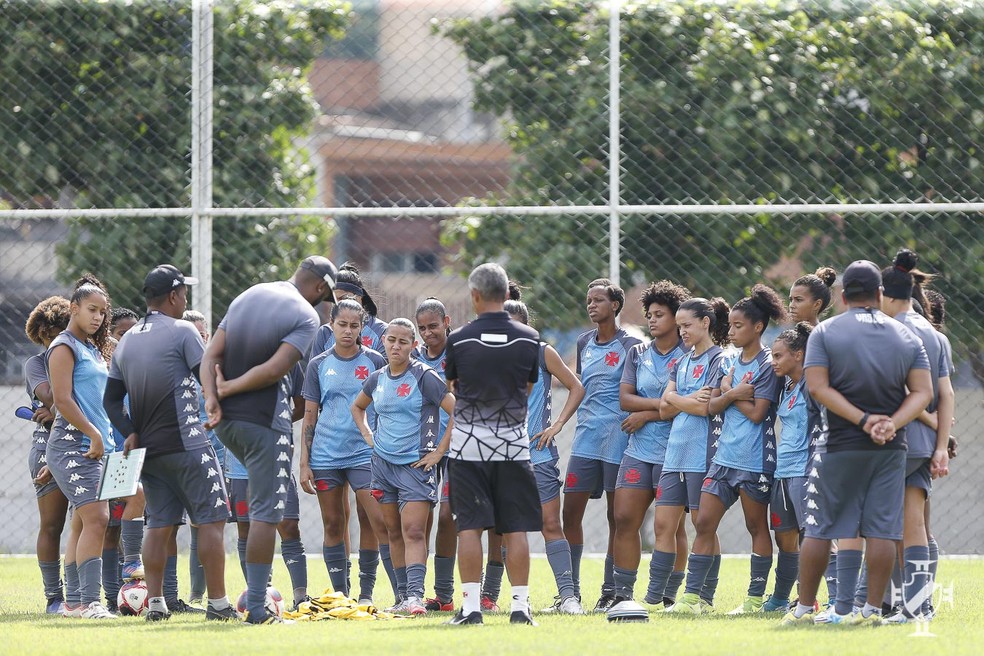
x=111, y=574
x=368, y=563
x=71, y=584
x=559, y=557
x=918, y=584
x=624, y=583
x=384, y=557
x=759, y=570
x=830, y=576
x=861, y=591
x=848, y=571
x=711, y=582
x=415, y=580
x=335, y=562
x=171, y=581
x=296, y=562
x=241, y=550
x=90, y=574
x=673, y=584
x=492, y=584
x=934, y=561
x=893, y=593
x=444, y=577
x=608, y=583
x=348, y=574
x=51, y=578
x=787, y=571
x=257, y=578
x=401, y=582
x=576, y=551
x=698, y=565
x=195, y=569
x=131, y=538
x=660, y=570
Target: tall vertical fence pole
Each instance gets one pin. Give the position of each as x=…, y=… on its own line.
x=614, y=140
x=201, y=154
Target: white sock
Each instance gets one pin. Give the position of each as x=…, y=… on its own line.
x=219, y=604
x=471, y=601
x=802, y=610
x=870, y=610
x=157, y=603
x=520, y=598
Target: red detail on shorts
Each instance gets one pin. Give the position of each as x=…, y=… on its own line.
x=242, y=508
x=362, y=372
x=117, y=510
x=747, y=378
x=611, y=358
x=633, y=476
x=571, y=479
x=367, y=341
x=322, y=486
x=659, y=492
x=707, y=483
x=377, y=495
x=446, y=489
x=776, y=520
x=698, y=370
x=403, y=390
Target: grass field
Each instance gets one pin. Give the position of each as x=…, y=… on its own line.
x=25, y=630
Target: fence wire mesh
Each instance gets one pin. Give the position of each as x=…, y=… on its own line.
x=412, y=105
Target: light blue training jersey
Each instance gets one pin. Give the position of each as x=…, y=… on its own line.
x=745, y=444
x=793, y=451
x=688, y=448
x=648, y=371
x=89, y=377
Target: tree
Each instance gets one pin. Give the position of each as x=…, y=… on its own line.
x=756, y=102
x=97, y=108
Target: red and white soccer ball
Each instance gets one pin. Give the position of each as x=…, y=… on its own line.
x=274, y=602
x=132, y=598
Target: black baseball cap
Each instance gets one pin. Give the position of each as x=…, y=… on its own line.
x=165, y=278
x=321, y=267
x=861, y=276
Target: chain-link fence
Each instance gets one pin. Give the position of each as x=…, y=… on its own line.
x=419, y=137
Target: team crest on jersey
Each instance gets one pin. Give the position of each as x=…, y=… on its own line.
x=792, y=401
x=611, y=359
x=403, y=390
x=671, y=363
x=747, y=378
x=698, y=371
x=367, y=341
x=362, y=372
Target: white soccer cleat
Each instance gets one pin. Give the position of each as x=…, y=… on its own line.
x=571, y=606
x=96, y=611
x=627, y=611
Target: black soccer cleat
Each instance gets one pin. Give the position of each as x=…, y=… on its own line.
x=521, y=617
x=179, y=606
x=157, y=616
x=227, y=614
x=460, y=618
x=604, y=603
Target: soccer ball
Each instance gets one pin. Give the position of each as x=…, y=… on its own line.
x=132, y=598
x=274, y=602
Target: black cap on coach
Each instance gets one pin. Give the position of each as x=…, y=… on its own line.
x=861, y=276
x=165, y=278
x=322, y=267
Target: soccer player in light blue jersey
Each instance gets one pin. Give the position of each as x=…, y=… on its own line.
x=644, y=380
x=703, y=326
x=407, y=449
x=787, y=506
x=599, y=441
x=745, y=458
x=333, y=453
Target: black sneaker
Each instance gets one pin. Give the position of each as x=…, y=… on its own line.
x=180, y=606
x=113, y=607
x=298, y=602
x=460, y=618
x=157, y=616
x=521, y=617
x=604, y=603
x=226, y=614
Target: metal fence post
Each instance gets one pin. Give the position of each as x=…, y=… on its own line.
x=614, y=141
x=201, y=154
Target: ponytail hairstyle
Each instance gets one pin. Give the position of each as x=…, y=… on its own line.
x=795, y=338
x=819, y=284
x=614, y=292
x=763, y=304
x=936, y=310
x=433, y=304
x=403, y=323
x=47, y=319
x=85, y=287
x=666, y=293
x=717, y=310
x=514, y=292
x=903, y=281
x=348, y=304
x=518, y=309
x=350, y=281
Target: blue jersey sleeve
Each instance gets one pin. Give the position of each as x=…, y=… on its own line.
x=321, y=339
x=311, y=390
x=631, y=362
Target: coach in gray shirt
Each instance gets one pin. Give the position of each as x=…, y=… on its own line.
x=155, y=365
x=266, y=331
x=871, y=376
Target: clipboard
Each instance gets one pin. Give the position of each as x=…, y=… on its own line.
x=121, y=475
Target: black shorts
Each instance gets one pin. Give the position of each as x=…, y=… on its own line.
x=500, y=495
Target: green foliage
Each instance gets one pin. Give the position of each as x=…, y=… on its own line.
x=745, y=103
x=98, y=104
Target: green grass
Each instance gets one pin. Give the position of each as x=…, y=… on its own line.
x=25, y=630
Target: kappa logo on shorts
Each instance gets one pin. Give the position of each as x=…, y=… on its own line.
x=812, y=505
x=403, y=390
x=322, y=486
x=362, y=372
x=80, y=490
x=776, y=520
x=571, y=479
x=283, y=473
x=612, y=358
x=279, y=506
x=71, y=464
x=282, y=489
x=283, y=440
x=190, y=407
x=73, y=478
x=211, y=472
x=242, y=508
x=283, y=457
x=377, y=495
x=698, y=371
x=187, y=394
x=219, y=503
x=811, y=488
x=215, y=487
x=633, y=476
x=206, y=458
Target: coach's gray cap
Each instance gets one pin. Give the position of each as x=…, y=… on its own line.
x=321, y=267
x=165, y=278
x=861, y=276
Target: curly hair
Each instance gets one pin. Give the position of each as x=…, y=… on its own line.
x=47, y=319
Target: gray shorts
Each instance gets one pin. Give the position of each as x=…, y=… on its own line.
x=402, y=484
x=787, y=508
x=638, y=475
x=917, y=475
x=77, y=476
x=186, y=481
x=266, y=455
x=358, y=478
x=679, y=489
x=35, y=461
x=856, y=493
x=238, y=489
x=727, y=482
x=590, y=475
x=547, y=480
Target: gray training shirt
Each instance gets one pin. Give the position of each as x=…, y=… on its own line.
x=922, y=438
x=868, y=356
x=155, y=360
x=258, y=321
